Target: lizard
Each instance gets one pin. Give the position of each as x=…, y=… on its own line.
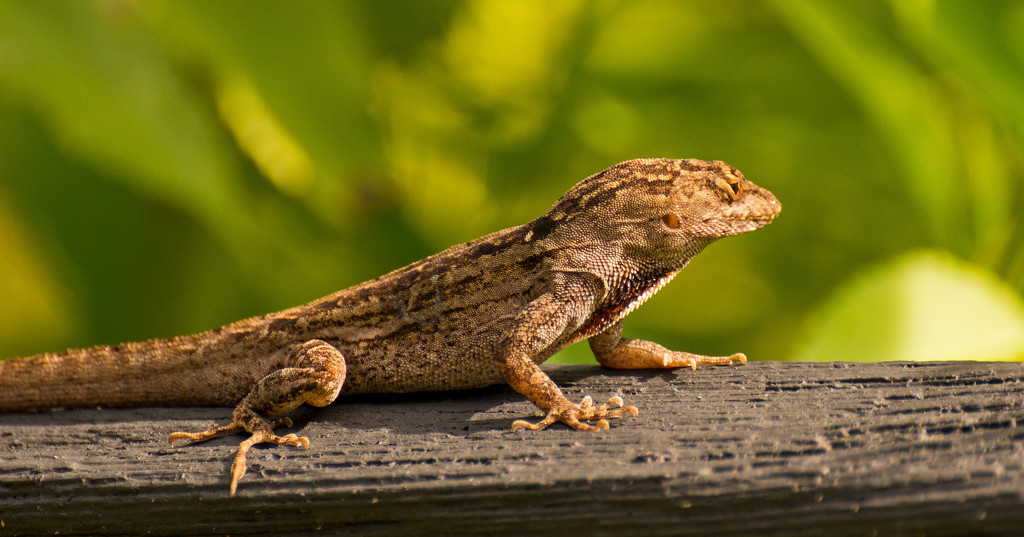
x=480, y=313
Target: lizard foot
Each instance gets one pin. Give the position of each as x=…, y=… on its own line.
x=217, y=432
x=259, y=436
x=571, y=414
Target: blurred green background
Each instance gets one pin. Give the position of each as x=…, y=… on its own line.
x=167, y=167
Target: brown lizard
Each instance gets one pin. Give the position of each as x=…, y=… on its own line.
x=479, y=313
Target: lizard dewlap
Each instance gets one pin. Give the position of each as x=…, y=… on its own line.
x=480, y=313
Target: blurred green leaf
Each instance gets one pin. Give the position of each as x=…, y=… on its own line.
x=925, y=305
x=909, y=108
x=305, y=63
x=971, y=44
x=104, y=87
x=172, y=165
x=35, y=307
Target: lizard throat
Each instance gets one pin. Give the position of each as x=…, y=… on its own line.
x=621, y=301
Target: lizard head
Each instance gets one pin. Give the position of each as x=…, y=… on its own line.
x=713, y=200
x=660, y=211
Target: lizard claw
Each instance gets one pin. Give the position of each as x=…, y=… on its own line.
x=217, y=432
x=571, y=414
x=262, y=436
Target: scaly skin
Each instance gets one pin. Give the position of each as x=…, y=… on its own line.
x=480, y=313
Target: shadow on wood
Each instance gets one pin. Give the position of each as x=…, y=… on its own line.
x=761, y=449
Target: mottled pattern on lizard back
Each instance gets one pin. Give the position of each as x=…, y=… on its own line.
x=478, y=313
x=435, y=324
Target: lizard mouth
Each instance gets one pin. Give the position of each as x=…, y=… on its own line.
x=737, y=223
x=755, y=218
x=759, y=214
x=766, y=218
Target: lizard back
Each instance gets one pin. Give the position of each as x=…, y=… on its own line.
x=437, y=323
x=434, y=324
x=428, y=326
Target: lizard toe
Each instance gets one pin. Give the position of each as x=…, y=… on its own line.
x=209, y=434
x=261, y=436
x=576, y=415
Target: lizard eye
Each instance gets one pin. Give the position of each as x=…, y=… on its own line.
x=671, y=220
x=734, y=184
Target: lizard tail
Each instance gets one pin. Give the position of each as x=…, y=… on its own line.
x=151, y=373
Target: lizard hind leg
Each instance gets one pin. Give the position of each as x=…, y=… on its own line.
x=312, y=374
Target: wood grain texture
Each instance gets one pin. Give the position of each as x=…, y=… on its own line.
x=760, y=449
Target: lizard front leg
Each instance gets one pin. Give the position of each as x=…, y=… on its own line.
x=312, y=374
x=616, y=352
x=538, y=327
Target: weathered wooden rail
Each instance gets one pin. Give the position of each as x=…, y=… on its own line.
x=761, y=449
